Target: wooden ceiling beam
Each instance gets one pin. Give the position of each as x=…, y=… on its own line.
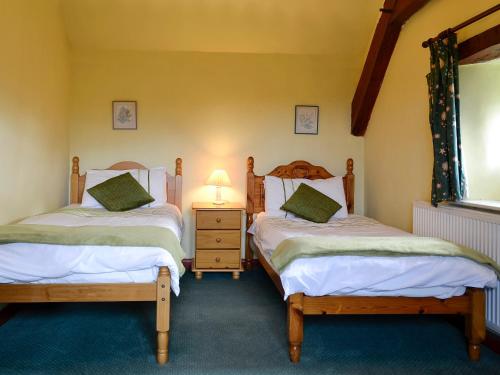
x=405, y=9
x=394, y=14
x=480, y=48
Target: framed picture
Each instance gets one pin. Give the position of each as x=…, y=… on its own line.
x=306, y=119
x=125, y=115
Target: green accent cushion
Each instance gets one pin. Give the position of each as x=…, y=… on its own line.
x=310, y=204
x=121, y=193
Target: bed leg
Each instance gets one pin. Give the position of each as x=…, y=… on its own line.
x=248, y=248
x=248, y=253
x=162, y=314
x=295, y=325
x=475, y=323
x=162, y=351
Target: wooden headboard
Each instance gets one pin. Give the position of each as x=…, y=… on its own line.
x=174, y=183
x=296, y=169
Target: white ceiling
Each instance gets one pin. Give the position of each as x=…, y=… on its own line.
x=336, y=27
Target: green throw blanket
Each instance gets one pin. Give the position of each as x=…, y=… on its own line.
x=318, y=246
x=140, y=236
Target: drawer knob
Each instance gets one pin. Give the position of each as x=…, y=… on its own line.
x=217, y=259
x=218, y=220
x=218, y=239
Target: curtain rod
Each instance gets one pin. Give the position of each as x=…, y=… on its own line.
x=447, y=32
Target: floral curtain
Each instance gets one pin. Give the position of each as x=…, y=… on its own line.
x=448, y=180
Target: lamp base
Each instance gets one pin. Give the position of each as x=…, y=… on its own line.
x=218, y=199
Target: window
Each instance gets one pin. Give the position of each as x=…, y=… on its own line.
x=480, y=130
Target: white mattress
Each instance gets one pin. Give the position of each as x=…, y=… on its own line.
x=415, y=276
x=43, y=264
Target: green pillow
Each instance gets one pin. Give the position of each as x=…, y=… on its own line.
x=310, y=204
x=120, y=193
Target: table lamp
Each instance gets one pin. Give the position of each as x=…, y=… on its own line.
x=218, y=178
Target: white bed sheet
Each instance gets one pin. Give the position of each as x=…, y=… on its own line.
x=44, y=264
x=416, y=276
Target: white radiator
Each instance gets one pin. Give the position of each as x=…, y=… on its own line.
x=471, y=228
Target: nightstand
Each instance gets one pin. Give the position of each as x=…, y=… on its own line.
x=217, y=238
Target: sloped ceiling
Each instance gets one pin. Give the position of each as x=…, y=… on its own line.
x=333, y=27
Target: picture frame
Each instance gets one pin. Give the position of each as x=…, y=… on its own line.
x=306, y=119
x=124, y=115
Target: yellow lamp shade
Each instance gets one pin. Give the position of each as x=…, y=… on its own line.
x=218, y=177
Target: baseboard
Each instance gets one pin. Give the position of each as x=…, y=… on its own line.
x=188, y=263
x=492, y=341
x=8, y=312
x=250, y=264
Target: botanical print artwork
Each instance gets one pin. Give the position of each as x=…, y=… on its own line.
x=125, y=115
x=306, y=119
x=448, y=180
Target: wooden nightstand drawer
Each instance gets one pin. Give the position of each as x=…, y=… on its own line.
x=218, y=219
x=218, y=239
x=218, y=259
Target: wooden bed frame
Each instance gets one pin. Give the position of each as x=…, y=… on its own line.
x=471, y=304
x=158, y=291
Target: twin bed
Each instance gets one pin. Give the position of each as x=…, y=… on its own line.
x=37, y=272
x=353, y=284
x=41, y=271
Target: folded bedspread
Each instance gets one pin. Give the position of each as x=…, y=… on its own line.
x=318, y=246
x=136, y=236
x=67, y=246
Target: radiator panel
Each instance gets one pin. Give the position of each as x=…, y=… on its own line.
x=479, y=231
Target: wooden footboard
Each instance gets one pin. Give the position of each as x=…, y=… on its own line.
x=158, y=291
x=471, y=305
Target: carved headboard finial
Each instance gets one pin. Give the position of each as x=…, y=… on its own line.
x=76, y=165
x=178, y=167
x=350, y=166
x=250, y=164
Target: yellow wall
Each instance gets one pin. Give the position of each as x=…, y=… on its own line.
x=213, y=110
x=242, y=26
x=480, y=124
x=398, y=145
x=34, y=81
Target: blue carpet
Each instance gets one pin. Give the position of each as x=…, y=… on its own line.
x=221, y=326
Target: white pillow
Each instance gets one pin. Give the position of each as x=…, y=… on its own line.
x=155, y=184
x=153, y=180
x=279, y=190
